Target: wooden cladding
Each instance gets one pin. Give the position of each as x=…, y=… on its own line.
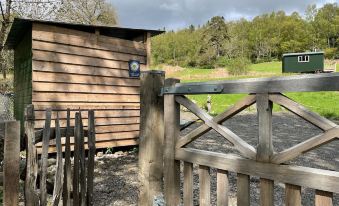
x=80, y=70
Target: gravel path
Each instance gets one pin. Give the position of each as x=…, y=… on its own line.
x=116, y=181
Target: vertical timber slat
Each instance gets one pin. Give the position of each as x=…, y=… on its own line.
x=204, y=185
x=91, y=156
x=188, y=184
x=44, y=157
x=151, y=138
x=265, y=146
x=243, y=190
x=148, y=48
x=323, y=198
x=172, y=129
x=82, y=162
x=57, y=192
x=222, y=188
x=11, y=163
x=292, y=195
x=76, y=160
x=31, y=195
x=67, y=169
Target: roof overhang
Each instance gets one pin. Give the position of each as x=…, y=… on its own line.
x=21, y=26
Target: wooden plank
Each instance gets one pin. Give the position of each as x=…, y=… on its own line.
x=66, y=196
x=188, y=184
x=99, y=122
x=265, y=145
x=302, y=112
x=296, y=83
x=76, y=167
x=230, y=112
x=103, y=144
x=83, y=186
x=243, y=190
x=44, y=158
x=80, y=60
x=81, y=51
x=306, y=146
x=11, y=169
x=204, y=186
x=102, y=137
x=58, y=180
x=91, y=157
x=85, y=39
x=304, y=176
x=292, y=195
x=31, y=196
x=222, y=188
x=39, y=115
x=84, y=105
x=64, y=68
x=151, y=143
x=172, y=129
x=243, y=147
x=323, y=198
x=75, y=97
x=83, y=88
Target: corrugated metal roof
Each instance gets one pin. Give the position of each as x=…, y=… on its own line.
x=304, y=53
x=21, y=26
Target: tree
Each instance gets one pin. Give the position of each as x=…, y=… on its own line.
x=95, y=12
x=214, y=35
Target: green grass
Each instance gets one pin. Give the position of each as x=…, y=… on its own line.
x=323, y=103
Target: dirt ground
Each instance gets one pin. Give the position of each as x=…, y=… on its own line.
x=116, y=181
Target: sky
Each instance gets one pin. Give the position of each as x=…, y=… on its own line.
x=176, y=14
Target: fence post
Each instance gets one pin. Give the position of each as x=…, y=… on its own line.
x=265, y=146
x=172, y=129
x=31, y=195
x=11, y=163
x=151, y=136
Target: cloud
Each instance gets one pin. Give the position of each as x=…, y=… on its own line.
x=174, y=14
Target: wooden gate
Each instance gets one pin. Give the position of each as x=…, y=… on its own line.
x=77, y=181
x=262, y=161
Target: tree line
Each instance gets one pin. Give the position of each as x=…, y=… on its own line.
x=264, y=38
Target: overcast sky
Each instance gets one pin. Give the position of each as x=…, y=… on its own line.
x=175, y=14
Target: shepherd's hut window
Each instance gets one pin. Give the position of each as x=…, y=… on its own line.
x=304, y=58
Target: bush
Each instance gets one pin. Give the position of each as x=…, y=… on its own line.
x=330, y=53
x=239, y=66
x=222, y=61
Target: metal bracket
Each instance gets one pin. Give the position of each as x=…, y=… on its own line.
x=193, y=89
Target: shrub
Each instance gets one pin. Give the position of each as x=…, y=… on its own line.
x=330, y=53
x=239, y=66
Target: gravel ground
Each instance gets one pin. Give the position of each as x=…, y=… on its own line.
x=116, y=181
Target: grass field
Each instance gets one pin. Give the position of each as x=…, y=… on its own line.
x=324, y=103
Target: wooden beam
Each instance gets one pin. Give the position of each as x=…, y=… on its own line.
x=188, y=184
x=265, y=145
x=148, y=49
x=11, y=169
x=222, y=188
x=297, y=175
x=151, y=137
x=243, y=190
x=323, y=198
x=305, y=146
x=292, y=195
x=297, y=83
x=243, y=147
x=204, y=186
x=302, y=112
x=230, y=112
x=171, y=165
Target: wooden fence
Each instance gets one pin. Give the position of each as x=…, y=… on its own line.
x=74, y=187
x=261, y=161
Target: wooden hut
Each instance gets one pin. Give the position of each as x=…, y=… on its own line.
x=61, y=65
